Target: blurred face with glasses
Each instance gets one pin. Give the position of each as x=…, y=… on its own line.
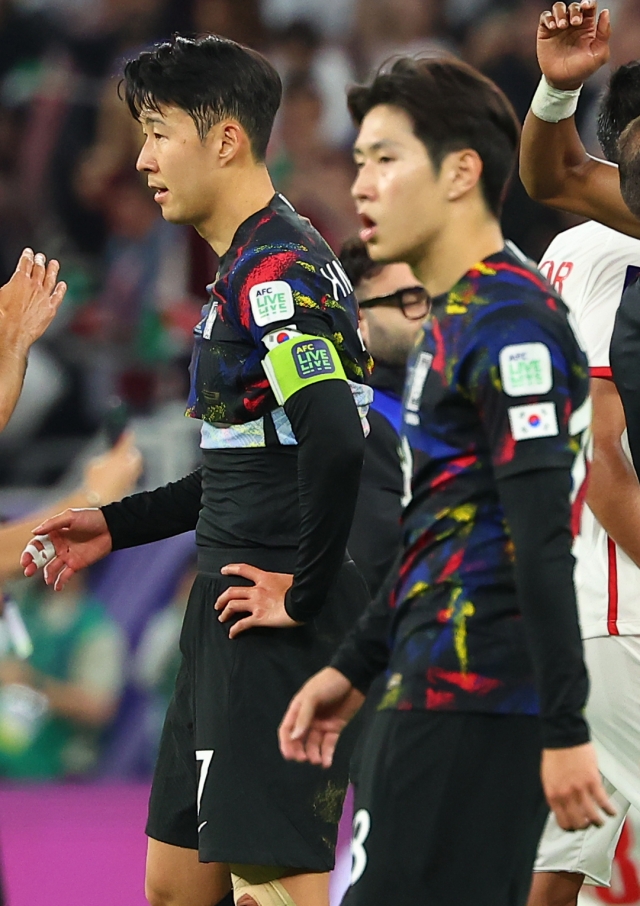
x=393, y=307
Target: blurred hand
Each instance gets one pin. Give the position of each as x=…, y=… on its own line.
x=13, y=670
x=263, y=601
x=573, y=787
x=572, y=43
x=80, y=538
x=29, y=301
x=110, y=476
x=317, y=716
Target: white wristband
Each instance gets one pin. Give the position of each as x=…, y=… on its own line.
x=552, y=104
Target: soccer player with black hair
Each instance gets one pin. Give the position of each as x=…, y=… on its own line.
x=278, y=375
x=477, y=630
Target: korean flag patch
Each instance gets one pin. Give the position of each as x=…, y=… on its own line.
x=271, y=302
x=535, y=420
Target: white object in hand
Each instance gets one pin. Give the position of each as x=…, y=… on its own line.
x=44, y=556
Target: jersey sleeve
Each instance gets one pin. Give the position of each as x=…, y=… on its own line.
x=278, y=288
x=301, y=317
x=520, y=379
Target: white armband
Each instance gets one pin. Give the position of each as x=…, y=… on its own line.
x=552, y=104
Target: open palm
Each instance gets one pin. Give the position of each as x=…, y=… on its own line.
x=572, y=43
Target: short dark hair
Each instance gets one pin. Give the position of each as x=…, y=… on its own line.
x=619, y=105
x=452, y=106
x=210, y=78
x=356, y=262
x=629, y=163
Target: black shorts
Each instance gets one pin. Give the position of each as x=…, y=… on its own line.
x=449, y=809
x=221, y=785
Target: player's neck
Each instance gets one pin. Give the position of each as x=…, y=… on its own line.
x=246, y=192
x=469, y=236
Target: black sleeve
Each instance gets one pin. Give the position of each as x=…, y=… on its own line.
x=375, y=533
x=364, y=653
x=538, y=513
x=152, y=515
x=624, y=356
x=327, y=427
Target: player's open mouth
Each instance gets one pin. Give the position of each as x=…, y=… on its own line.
x=160, y=193
x=369, y=228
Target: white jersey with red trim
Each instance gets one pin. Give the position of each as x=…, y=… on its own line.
x=590, y=266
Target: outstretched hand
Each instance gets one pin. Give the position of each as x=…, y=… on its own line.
x=29, y=301
x=263, y=601
x=79, y=538
x=573, y=787
x=572, y=43
x=317, y=716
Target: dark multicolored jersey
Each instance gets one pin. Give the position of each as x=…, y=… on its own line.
x=498, y=385
x=282, y=314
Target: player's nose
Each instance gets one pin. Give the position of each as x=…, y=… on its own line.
x=146, y=162
x=363, y=187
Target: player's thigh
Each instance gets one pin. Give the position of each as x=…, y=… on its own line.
x=612, y=710
x=175, y=877
x=558, y=888
x=308, y=889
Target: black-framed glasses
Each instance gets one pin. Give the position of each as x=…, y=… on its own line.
x=413, y=302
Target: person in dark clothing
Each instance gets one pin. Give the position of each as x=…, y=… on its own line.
x=476, y=629
x=278, y=380
x=392, y=306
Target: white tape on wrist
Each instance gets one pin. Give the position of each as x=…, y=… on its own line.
x=552, y=104
x=44, y=556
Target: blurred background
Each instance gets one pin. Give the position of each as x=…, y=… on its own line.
x=68, y=187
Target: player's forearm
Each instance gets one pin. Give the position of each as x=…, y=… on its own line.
x=327, y=426
x=13, y=364
x=153, y=515
x=365, y=651
x=73, y=702
x=538, y=513
x=613, y=496
x=551, y=155
x=556, y=170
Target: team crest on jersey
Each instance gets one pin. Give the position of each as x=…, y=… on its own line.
x=271, y=302
x=525, y=369
x=535, y=420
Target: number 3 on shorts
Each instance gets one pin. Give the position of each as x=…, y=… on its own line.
x=205, y=756
x=361, y=828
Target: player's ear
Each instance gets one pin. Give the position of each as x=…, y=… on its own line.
x=232, y=140
x=462, y=170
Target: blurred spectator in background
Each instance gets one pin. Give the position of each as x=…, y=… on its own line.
x=314, y=177
x=391, y=28
x=54, y=705
x=300, y=53
x=333, y=18
x=106, y=478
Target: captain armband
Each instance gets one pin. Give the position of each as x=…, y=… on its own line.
x=298, y=361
